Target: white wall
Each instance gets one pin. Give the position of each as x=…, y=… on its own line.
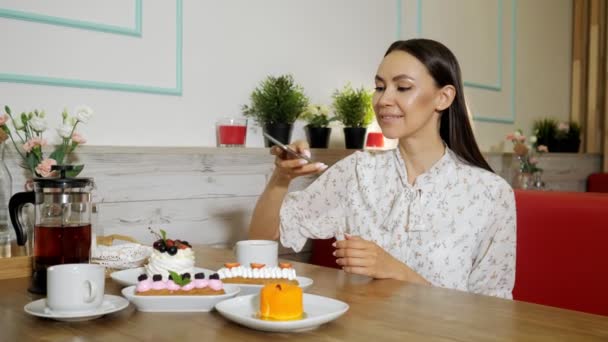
x=229, y=46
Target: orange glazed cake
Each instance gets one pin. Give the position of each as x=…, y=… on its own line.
x=257, y=274
x=281, y=302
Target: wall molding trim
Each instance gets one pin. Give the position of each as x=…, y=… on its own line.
x=79, y=24
x=498, y=85
x=78, y=83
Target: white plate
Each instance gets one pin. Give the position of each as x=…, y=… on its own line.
x=247, y=289
x=129, y=277
x=317, y=310
x=109, y=305
x=178, y=303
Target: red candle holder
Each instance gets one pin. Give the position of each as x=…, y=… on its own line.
x=375, y=139
x=231, y=132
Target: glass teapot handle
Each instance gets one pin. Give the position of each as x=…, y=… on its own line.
x=15, y=204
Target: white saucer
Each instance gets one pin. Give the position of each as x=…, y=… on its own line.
x=129, y=277
x=247, y=289
x=317, y=310
x=109, y=305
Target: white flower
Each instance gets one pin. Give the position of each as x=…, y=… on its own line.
x=533, y=139
x=83, y=113
x=313, y=110
x=65, y=131
x=324, y=109
x=517, y=134
x=18, y=124
x=38, y=124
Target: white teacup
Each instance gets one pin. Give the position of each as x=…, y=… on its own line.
x=257, y=251
x=75, y=288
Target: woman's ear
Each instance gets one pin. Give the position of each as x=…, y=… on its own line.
x=445, y=97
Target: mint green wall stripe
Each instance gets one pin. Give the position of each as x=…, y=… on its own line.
x=80, y=24
x=76, y=83
x=399, y=14
x=513, y=106
x=179, y=47
x=419, y=20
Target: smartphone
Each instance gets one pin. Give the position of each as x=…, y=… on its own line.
x=287, y=148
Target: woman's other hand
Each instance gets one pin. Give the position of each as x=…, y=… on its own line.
x=289, y=167
x=360, y=256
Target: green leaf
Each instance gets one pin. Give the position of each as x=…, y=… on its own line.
x=163, y=234
x=75, y=171
x=7, y=109
x=178, y=278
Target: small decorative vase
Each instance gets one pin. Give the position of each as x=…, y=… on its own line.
x=536, y=182
x=521, y=180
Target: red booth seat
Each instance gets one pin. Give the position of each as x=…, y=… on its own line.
x=562, y=250
x=597, y=182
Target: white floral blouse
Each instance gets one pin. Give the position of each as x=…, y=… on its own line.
x=455, y=226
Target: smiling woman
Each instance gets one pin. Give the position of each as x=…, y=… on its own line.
x=430, y=212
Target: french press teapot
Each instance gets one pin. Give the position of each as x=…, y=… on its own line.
x=62, y=228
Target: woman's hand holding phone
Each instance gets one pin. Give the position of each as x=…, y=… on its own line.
x=289, y=166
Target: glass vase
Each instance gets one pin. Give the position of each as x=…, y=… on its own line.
x=536, y=182
x=521, y=180
x=6, y=188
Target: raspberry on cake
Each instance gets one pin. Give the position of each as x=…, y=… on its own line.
x=168, y=254
x=179, y=285
x=258, y=274
x=281, y=302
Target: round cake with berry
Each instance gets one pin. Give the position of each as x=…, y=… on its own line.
x=257, y=274
x=169, y=255
x=179, y=285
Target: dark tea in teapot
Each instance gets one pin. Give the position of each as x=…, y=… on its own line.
x=59, y=245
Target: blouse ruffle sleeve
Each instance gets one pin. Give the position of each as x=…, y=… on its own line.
x=493, y=271
x=317, y=212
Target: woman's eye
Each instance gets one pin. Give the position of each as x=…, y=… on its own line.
x=403, y=88
x=378, y=88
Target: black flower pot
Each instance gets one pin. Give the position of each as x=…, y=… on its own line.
x=354, y=137
x=571, y=145
x=280, y=131
x=318, y=137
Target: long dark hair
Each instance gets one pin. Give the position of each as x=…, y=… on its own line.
x=455, y=127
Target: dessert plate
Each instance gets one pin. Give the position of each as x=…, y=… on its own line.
x=247, y=289
x=178, y=303
x=109, y=305
x=129, y=277
x=317, y=310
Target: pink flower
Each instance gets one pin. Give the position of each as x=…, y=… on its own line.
x=521, y=138
x=542, y=148
x=533, y=160
x=510, y=137
x=3, y=119
x=563, y=127
x=79, y=139
x=44, y=168
x=30, y=144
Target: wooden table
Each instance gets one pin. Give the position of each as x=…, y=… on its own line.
x=380, y=310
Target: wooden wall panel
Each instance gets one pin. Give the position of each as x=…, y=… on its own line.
x=207, y=195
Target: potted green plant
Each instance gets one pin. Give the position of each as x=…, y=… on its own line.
x=353, y=107
x=567, y=137
x=545, y=130
x=317, y=129
x=275, y=105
